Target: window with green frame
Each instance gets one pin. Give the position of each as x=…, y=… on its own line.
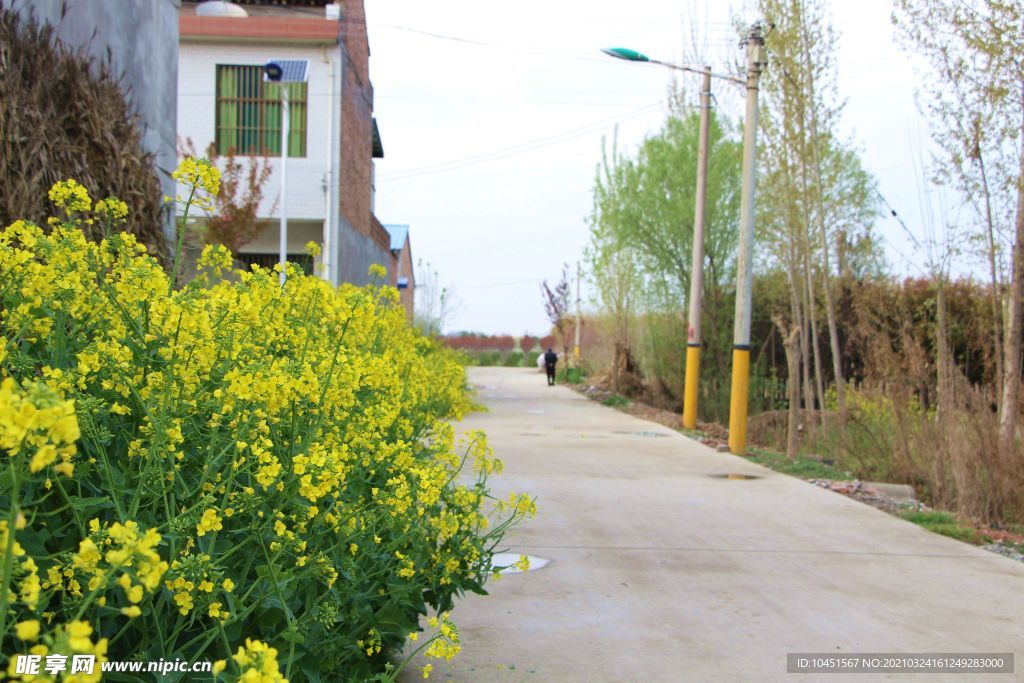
x=249, y=113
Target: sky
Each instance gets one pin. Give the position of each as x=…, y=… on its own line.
x=492, y=119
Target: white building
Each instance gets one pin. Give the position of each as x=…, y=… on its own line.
x=224, y=99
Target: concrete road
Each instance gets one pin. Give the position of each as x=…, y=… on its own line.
x=664, y=569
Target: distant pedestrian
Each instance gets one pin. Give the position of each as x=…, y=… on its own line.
x=550, y=361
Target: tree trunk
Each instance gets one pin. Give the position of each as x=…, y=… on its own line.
x=943, y=363
x=997, y=285
x=791, y=344
x=805, y=355
x=826, y=273
x=811, y=311
x=1011, y=378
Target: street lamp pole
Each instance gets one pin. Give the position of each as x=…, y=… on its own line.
x=739, y=395
x=693, y=337
x=283, y=244
x=284, y=72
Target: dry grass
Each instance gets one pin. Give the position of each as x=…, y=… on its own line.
x=62, y=116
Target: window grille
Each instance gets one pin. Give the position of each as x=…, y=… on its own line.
x=249, y=113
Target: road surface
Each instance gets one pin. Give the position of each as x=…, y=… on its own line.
x=664, y=569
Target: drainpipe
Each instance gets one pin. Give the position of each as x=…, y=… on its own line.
x=334, y=192
x=326, y=254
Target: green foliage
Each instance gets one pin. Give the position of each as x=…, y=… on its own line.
x=531, y=359
x=513, y=359
x=571, y=375
x=942, y=523
x=801, y=466
x=642, y=240
x=486, y=358
x=615, y=401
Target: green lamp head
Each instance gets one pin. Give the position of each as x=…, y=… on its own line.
x=625, y=53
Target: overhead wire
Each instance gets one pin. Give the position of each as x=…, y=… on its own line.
x=519, y=148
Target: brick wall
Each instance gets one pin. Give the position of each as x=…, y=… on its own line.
x=357, y=127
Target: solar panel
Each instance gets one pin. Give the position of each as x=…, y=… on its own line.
x=292, y=70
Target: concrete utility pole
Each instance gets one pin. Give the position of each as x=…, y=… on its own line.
x=693, y=338
x=739, y=396
x=576, y=348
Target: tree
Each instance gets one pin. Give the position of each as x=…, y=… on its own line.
x=434, y=303
x=233, y=223
x=642, y=230
x=975, y=98
x=556, y=306
x=816, y=198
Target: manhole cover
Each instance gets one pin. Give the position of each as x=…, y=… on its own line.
x=509, y=560
x=735, y=476
x=648, y=434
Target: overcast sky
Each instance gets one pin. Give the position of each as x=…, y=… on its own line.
x=492, y=117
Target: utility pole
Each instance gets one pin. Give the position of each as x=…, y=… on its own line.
x=739, y=396
x=693, y=337
x=576, y=348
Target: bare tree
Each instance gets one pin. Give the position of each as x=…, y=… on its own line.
x=434, y=303
x=556, y=305
x=974, y=95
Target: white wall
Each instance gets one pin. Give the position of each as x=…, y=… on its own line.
x=197, y=73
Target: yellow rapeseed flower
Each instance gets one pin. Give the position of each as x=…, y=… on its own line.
x=27, y=630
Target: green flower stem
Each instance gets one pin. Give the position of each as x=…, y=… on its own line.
x=67, y=498
x=95, y=592
x=180, y=240
x=284, y=604
x=12, y=519
x=412, y=655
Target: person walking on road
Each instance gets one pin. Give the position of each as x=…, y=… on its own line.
x=550, y=361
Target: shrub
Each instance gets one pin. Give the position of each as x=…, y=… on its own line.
x=571, y=375
x=513, y=359
x=487, y=358
x=531, y=359
x=246, y=472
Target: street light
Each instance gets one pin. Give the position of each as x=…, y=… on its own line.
x=741, y=342
x=285, y=72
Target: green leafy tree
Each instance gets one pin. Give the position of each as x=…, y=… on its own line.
x=816, y=202
x=642, y=226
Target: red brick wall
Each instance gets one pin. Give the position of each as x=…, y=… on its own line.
x=357, y=126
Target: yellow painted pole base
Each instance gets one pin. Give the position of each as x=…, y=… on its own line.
x=738, y=400
x=690, y=390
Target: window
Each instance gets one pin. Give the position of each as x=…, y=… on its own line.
x=249, y=113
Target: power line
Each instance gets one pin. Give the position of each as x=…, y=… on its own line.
x=535, y=281
x=898, y=218
x=515, y=149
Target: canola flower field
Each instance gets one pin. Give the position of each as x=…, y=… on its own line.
x=232, y=470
